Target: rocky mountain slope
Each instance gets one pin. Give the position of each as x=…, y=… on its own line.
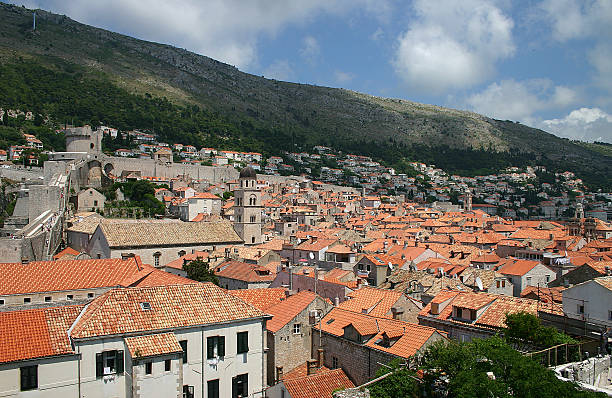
x=308, y=114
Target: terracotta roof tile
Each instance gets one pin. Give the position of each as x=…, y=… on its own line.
x=120, y=311
x=318, y=385
x=152, y=344
x=261, y=298
x=45, y=276
x=283, y=312
x=244, y=272
x=377, y=302
x=130, y=234
x=36, y=333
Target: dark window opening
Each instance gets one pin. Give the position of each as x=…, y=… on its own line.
x=183, y=344
x=240, y=386
x=148, y=368
x=109, y=362
x=29, y=377
x=213, y=388
x=215, y=347
x=168, y=365
x=243, y=342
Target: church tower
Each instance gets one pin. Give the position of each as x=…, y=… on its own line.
x=247, y=208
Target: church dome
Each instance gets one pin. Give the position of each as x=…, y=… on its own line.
x=248, y=172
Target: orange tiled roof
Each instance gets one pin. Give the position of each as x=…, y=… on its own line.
x=413, y=339
x=119, y=311
x=318, y=385
x=286, y=310
x=69, y=253
x=152, y=344
x=262, y=298
x=46, y=276
x=518, y=267
x=377, y=302
x=244, y=272
x=36, y=333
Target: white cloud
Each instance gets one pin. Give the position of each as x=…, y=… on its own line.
x=227, y=30
x=519, y=100
x=586, y=124
x=571, y=19
x=601, y=59
x=279, y=70
x=310, y=50
x=343, y=77
x=453, y=44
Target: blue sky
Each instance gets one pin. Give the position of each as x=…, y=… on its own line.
x=545, y=63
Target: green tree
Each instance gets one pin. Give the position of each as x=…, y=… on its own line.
x=525, y=329
x=402, y=383
x=199, y=270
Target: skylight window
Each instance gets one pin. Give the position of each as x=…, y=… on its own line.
x=145, y=306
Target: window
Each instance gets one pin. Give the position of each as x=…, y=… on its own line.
x=148, y=368
x=243, y=342
x=547, y=278
x=90, y=295
x=69, y=297
x=1, y=301
x=215, y=347
x=168, y=365
x=95, y=203
x=503, y=283
x=156, y=257
x=109, y=362
x=498, y=284
x=240, y=386
x=188, y=392
x=529, y=280
x=29, y=377
x=334, y=362
x=581, y=308
x=47, y=299
x=252, y=239
x=239, y=218
x=183, y=344
x=297, y=328
x=182, y=253
x=253, y=218
x=27, y=300
x=213, y=388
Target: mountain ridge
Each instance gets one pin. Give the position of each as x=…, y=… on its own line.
x=309, y=114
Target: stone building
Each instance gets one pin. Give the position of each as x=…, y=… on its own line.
x=359, y=343
x=90, y=200
x=130, y=342
x=248, y=208
x=158, y=243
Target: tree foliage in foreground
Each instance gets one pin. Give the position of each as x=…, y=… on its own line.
x=454, y=369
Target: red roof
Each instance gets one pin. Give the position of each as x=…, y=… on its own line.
x=288, y=309
x=318, y=385
x=46, y=276
x=244, y=272
x=261, y=298
x=519, y=267
x=36, y=333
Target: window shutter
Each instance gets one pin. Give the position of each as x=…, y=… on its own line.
x=221, y=348
x=119, y=362
x=99, y=365
x=210, y=347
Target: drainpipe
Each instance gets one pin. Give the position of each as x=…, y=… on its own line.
x=202, y=362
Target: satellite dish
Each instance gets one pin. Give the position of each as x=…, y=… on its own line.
x=311, y=255
x=390, y=266
x=479, y=283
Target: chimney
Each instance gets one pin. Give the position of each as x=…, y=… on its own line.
x=311, y=365
x=336, y=301
x=320, y=358
x=279, y=373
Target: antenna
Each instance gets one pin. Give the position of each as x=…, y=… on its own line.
x=390, y=265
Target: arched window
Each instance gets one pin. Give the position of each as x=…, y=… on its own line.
x=156, y=257
x=182, y=253
x=252, y=239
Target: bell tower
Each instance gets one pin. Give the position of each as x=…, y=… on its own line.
x=247, y=208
